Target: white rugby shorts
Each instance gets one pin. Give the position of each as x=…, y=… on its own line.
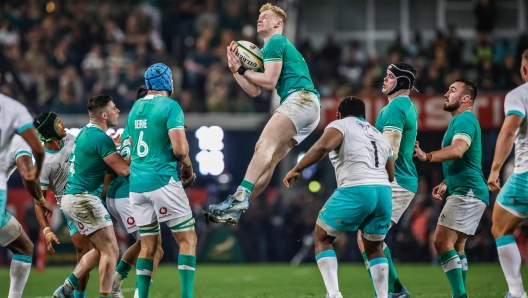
x=462, y=213
x=10, y=232
x=401, y=198
x=86, y=211
x=121, y=210
x=302, y=107
x=163, y=204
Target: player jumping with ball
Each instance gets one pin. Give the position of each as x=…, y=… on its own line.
x=297, y=116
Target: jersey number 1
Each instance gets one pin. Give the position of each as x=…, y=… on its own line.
x=376, y=161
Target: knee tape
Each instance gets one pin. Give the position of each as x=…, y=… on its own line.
x=10, y=232
x=149, y=230
x=181, y=224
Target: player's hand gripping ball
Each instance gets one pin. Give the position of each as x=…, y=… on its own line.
x=250, y=55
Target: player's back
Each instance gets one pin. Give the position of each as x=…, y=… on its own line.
x=362, y=155
x=119, y=187
x=14, y=118
x=516, y=103
x=148, y=125
x=87, y=167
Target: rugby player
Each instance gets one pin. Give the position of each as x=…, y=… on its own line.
x=461, y=158
x=17, y=120
x=361, y=201
x=156, y=129
x=93, y=153
x=398, y=121
x=297, y=116
x=58, y=145
x=511, y=207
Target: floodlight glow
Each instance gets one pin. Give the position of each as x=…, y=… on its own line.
x=210, y=159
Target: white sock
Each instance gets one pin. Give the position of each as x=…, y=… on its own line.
x=379, y=269
x=19, y=273
x=327, y=263
x=136, y=294
x=118, y=280
x=240, y=193
x=510, y=260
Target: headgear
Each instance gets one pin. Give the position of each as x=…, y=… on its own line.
x=45, y=125
x=405, y=75
x=159, y=77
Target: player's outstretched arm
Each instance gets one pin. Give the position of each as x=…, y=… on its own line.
x=118, y=164
x=330, y=140
x=503, y=148
x=455, y=151
x=32, y=139
x=44, y=226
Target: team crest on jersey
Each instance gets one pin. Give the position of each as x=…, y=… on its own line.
x=81, y=226
x=163, y=210
x=107, y=217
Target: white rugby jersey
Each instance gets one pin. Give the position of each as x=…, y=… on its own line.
x=17, y=148
x=363, y=154
x=54, y=174
x=516, y=102
x=14, y=119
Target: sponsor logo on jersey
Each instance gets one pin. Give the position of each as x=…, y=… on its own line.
x=131, y=220
x=81, y=226
x=442, y=217
x=163, y=210
x=345, y=223
x=107, y=217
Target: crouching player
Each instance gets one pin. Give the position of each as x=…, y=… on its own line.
x=362, y=159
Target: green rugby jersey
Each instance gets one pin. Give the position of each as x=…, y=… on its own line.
x=464, y=176
x=119, y=187
x=294, y=75
x=148, y=125
x=400, y=114
x=87, y=167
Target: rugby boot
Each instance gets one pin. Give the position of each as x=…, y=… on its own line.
x=508, y=295
x=230, y=204
x=403, y=294
x=61, y=293
x=231, y=217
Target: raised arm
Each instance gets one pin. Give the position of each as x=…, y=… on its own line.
x=454, y=151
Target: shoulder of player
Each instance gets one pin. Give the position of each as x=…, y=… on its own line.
x=520, y=91
x=466, y=118
x=277, y=40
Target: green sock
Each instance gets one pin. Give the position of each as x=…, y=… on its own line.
x=464, y=263
x=79, y=294
x=453, y=269
x=395, y=285
x=123, y=268
x=143, y=275
x=105, y=296
x=365, y=259
x=73, y=280
x=247, y=187
x=187, y=266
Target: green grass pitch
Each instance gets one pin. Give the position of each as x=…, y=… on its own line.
x=255, y=280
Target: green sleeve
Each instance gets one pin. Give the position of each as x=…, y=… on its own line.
x=274, y=50
x=465, y=127
x=175, y=118
x=393, y=118
x=102, y=144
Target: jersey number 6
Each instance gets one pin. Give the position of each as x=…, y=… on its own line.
x=142, y=146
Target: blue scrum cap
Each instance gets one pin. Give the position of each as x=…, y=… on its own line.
x=158, y=77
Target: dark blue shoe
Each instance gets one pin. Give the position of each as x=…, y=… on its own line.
x=230, y=204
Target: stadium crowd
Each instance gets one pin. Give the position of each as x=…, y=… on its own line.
x=64, y=52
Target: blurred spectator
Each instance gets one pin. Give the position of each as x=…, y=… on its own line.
x=416, y=47
x=483, y=51
x=8, y=36
x=455, y=47
x=70, y=96
x=232, y=18
x=508, y=76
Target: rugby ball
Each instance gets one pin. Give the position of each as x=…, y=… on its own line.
x=250, y=55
